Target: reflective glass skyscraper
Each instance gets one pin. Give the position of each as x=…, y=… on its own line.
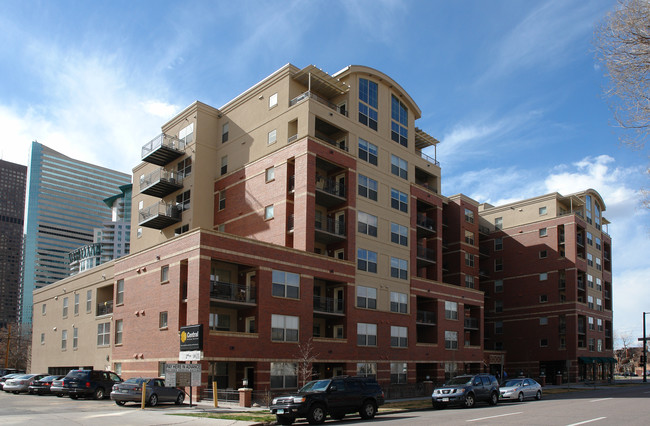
x=65, y=202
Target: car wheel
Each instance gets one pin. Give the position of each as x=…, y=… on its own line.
x=180, y=399
x=120, y=403
x=153, y=400
x=99, y=393
x=316, y=414
x=16, y=392
x=284, y=420
x=520, y=397
x=470, y=401
x=59, y=395
x=74, y=396
x=538, y=395
x=368, y=410
x=494, y=398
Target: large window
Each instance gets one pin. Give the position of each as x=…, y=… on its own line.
x=367, y=369
x=451, y=340
x=367, y=224
x=399, y=121
x=366, y=334
x=119, y=295
x=398, y=337
x=286, y=284
x=283, y=375
x=368, y=95
x=398, y=302
x=398, y=268
x=284, y=328
x=368, y=152
x=399, y=234
x=367, y=260
x=187, y=133
x=397, y=372
x=451, y=310
x=368, y=187
x=399, y=200
x=398, y=167
x=366, y=297
x=104, y=334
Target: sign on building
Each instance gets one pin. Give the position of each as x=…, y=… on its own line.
x=192, y=337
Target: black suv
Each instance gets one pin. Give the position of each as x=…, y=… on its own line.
x=337, y=397
x=466, y=390
x=95, y=383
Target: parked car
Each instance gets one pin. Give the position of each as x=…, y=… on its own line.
x=93, y=383
x=6, y=377
x=337, y=397
x=57, y=387
x=520, y=389
x=466, y=391
x=42, y=386
x=156, y=391
x=21, y=383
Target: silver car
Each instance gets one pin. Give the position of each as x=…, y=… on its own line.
x=21, y=383
x=131, y=391
x=520, y=389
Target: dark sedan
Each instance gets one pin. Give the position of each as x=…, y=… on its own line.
x=43, y=386
x=156, y=391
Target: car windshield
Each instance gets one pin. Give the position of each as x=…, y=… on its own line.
x=462, y=380
x=315, y=386
x=48, y=378
x=513, y=383
x=77, y=374
x=24, y=376
x=136, y=380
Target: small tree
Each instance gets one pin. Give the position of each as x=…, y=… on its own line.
x=306, y=358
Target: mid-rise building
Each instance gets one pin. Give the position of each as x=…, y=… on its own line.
x=64, y=204
x=12, y=211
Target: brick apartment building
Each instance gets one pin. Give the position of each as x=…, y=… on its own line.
x=304, y=210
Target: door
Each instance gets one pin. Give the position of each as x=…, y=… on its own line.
x=249, y=374
x=340, y=223
x=339, y=302
x=250, y=286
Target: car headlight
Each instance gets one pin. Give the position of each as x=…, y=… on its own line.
x=298, y=399
x=275, y=401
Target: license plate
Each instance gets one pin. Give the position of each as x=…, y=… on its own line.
x=445, y=399
x=280, y=411
x=124, y=391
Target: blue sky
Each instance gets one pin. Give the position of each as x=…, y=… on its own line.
x=510, y=88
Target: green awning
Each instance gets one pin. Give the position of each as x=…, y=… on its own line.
x=586, y=359
x=596, y=360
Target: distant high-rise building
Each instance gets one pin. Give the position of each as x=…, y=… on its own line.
x=65, y=204
x=112, y=240
x=12, y=211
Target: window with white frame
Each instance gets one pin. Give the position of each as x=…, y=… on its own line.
x=366, y=334
x=598, y=246
x=368, y=152
x=451, y=310
x=399, y=268
x=599, y=284
x=89, y=301
x=272, y=137
x=469, y=259
x=162, y=320
x=590, y=302
x=398, y=302
x=543, y=232
x=398, y=234
x=368, y=97
x=273, y=100
x=590, y=259
x=270, y=174
x=542, y=211
x=498, y=244
x=284, y=375
x=224, y=165
x=451, y=339
x=286, y=284
x=367, y=224
x=398, y=166
x=64, y=340
x=366, y=260
x=119, y=329
x=187, y=133
x=367, y=369
x=398, y=337
x=119, y=293
x=76, y=303
x=599, y=304
x=65, y=307
x=284, y=328
x=104, y=334
x=599, y=266
x=399, y=200
x=590, y=281
x=224, y=132
x=599, y=344
x=366, y=297
x=469, y=216
x=600, y=324
x=398, y=372
x=75, y=337
x=164, y=274
x=268, y=212
x=590, y=321
x=368, y=187
x=222, y=199
x=469, y=281
x=469, y=237
x=399, y=121
x=590, y=238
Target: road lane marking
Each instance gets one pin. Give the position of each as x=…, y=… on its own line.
x=493, y=417
x=106, y=415
x=587, y=421
x=601, y=399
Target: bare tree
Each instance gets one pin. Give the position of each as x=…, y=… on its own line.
x=15, y=347
x=306, y=358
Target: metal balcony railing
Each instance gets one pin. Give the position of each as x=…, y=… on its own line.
x=162, y=149
x=426, y=222
x=159, y=215
x=426, y=253
x=429, y=159
x=426, y=317
x=471, y=323
x=330, y=185
x=232, y=292
x=312, y=95
x=330, y=225
x=328, y=304
x=105, y=308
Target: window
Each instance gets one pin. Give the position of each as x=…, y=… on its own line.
x=599, y=346
x=597, y=215
x=272, y=137
x=588, y=207
x=400, y=121
x=590, y=281
x=542, y=254
x=268, y=212
x=65, y=307
x=599, y=266
x=543, y=298
x=283, y=375
x=600, y=324
x=469, y=237
x=64, y=340
x=187, y=133
x=590, y=302
x=42, y=338
x=599, y=284
x=224, y=165
x=398, y=167
x=451, y=310
x=75, y=337
x=119, y=328
x=543, y=276
x=542, y=232
x=498, y=264
x=366, y=297
x=273, y=100
x=598, y=243
x=399, y=234
x=498, y=306
x=398, y=302
x=286, y=284
x=184, y=167
x=498, y=327
x=219, y=322
x=222, y=199
x=543, y=343
x=590, y=320
x=398, y=337
x=368, y=152
x=162, y=320
x=104, y=334
x=399, y=200
x=181, y=229
x=599, y=304
x=164, y=274
x=469, y=216
x=367, y=369
x=270, y=174
x=498, y=286
x=366, y=260
x=498, y=223
x=76, y=303
x=139, y=232
x=284, y=328
x=398, y=372
x=590, y=259
x=591, y=344
x=451, y=339
x=590, y=238
x=89, y=301
x=224, y=132
x=398, y=268
x=469, y=281
x=183, y=200
x=367, y=187
x=366, y=334
x=543, y=321
x=542, y=211
x=119, y=297
x=469, y=259
x=368, y=94
x=367, y=224
x=498, y=244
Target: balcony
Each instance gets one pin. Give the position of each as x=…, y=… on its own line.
x=329, y=230
x=159, y=216
x=429, y=159
x=484, y=230
x=329, y=192
x=329, y=305
x=160, y=183
x=162, y=149
x=426, y=226
x=232, y=292
x=425, y=317
x=425, y=256
x=105, y=308
x=331, y=134
x=471, y=324
x=314, y=96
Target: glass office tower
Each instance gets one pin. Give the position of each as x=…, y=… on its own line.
x=65, y=203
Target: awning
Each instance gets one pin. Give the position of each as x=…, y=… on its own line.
x=597, y=360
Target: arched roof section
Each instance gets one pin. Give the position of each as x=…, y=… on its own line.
x=597, y=197
x=371, y=72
